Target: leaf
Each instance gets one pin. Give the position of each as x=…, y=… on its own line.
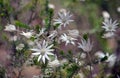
x=62, y=52
x=1, y=27
x=22, y=25
x=4, y=37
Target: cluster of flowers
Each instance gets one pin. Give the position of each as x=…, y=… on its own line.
x=43, y=45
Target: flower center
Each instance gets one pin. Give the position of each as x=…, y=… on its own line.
x=110, y=27
x=42, y=51
x=64, y=20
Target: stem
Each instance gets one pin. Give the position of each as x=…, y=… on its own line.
x=57, y=48
x=19, y=74
x=46, y=6
x=90, y=64
x=49, y=24
x=32, y=12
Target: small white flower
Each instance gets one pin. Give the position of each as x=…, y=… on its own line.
x=64, y=19
x=13, y=38
x=108, y=35
x=10, y=28
x=83, y=55
x=63, y=10
x=85, y=45
x=54, y=63
x=67, y=39
x=94, y=75
x=20, y=46
x=53, y=34
x=118, y=9
x=100, y=54
x=63, y=61
x=78, y=61
x=111, y=60
x=41, y=32
x=89, y=67
x=27, y=34
x=51, y=6
x=42, y=51
x=31, y=43
x=81, y=75
x=110, y=26
x=73, y=33
x=106, y=15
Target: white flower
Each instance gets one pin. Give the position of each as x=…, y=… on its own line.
x=110, y=26
x=10, y=28
x=42, y=51
x=106, y=15
x=73, y=33
x=63, y=10
x=89, y=67
x=85, y=45
x=100, y=54
x=118, y=9
x=108, y=35
x=83, y=55
x=63, y=19
x=51, y=6
x=27, y=34
x=53, y=34
x=67, y=39
x=81, y=75
x=41, y=32
x=63, y=61
x=13, y=38
x=54, y=63
x=79, y=62
x=31, y=43
x=20, y=46
x=111, y=60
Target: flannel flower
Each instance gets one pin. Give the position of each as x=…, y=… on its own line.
x=53, y=34
x=41, y=32
x=27, y=34
x=73, y=33
x=85, y=45
x=43, y=51
x=110, y=27
x=10, y=28
x=63, y=19
x=54, y=63
x=67, y=39
x=110, y=58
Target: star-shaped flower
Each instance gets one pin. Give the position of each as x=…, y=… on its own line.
x=10, y=28
x=85, y=45
x=64, y=19
x=43, y=51
x=67, y=39
x=27, y=34
x=110, y=26
x=41, y=32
